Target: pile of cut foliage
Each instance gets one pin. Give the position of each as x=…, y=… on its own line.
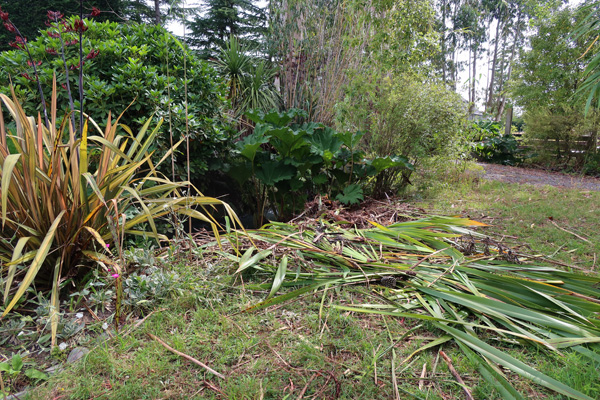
x=437, y=269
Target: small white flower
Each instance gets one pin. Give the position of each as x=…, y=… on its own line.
x=62, y=346
x=79, y=315
x=105, y=326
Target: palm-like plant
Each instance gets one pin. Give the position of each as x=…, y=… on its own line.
x=438, y=271
x=58, y=206
x=250, y=80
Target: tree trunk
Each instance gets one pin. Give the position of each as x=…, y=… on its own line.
x=156, y=12
x=501, y=81
x=473, y=98
x=510, y=64
x=470, y=77
x=444, y=41
x=453, y=71
x=508, y=123
x=490, y=97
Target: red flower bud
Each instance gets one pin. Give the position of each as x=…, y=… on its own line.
x=37, y=63
x=79, y=64
x=67, y=27
x=79, y=26
x=19, y=43
x=26, y=76
x=92, y=54
x=10, y=27
x=53, y=34
x=71, y=42
x=51, y=51
x=95, y=12
x=54, y=15
x=3, y=15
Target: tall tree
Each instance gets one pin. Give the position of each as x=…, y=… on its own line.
x=548, y=74
x=215, y=23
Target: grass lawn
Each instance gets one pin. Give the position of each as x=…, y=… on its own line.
x=307, y=349
x=559, y=223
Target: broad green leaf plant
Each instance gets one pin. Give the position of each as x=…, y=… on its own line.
x=285, y=161
x=60, y=206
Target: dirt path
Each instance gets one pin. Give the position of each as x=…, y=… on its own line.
x=538, y=177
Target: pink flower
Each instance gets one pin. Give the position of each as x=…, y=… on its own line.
x=107, y=245
x=115, y=275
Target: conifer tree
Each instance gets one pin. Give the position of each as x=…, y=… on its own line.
x=220, y=19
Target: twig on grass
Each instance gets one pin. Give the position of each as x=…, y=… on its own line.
x=213, y=387
x=306, y=386
x=140, y=322
x=422, y=377
x=192, y=359
x=468, y=394
x=93, y=314
x=572, y=233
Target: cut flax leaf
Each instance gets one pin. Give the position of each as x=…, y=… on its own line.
x=464, y=296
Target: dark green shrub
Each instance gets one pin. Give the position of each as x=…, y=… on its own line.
x=141, y=65
x=492, y=146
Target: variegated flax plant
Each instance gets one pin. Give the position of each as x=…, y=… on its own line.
x=437, y=269
x=60, y=209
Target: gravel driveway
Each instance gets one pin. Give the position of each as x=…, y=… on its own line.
x=539, y=177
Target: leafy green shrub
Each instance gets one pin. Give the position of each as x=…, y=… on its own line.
x=404, y=116
x=491, y=145
x=285, y=162
x=141, y=65
x=565, y=138
x=591, y=164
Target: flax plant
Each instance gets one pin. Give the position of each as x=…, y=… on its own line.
x=471, y=288
x=59, y=205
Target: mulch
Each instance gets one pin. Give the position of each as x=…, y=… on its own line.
x=383, y=212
